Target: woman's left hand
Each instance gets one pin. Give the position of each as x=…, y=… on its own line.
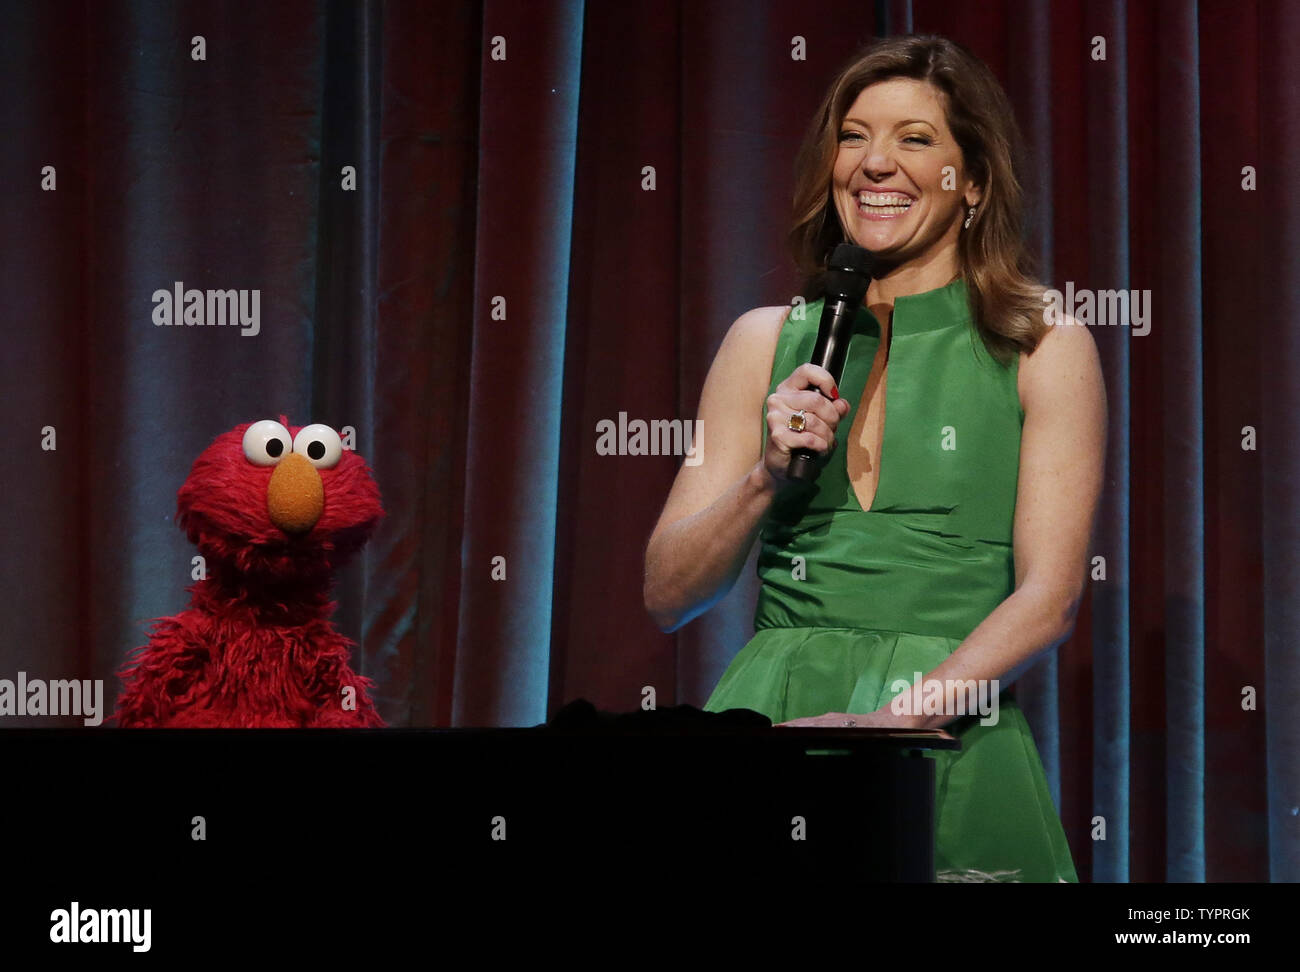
x=880, y=719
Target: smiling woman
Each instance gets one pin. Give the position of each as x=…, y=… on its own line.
x=947, y=533
x=871, y=194
x=937, y=134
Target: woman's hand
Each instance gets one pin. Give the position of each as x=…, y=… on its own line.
x=882, y=718
x=822, y=408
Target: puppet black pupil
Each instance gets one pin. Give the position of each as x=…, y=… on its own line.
x=274, y=447
x=316, y=450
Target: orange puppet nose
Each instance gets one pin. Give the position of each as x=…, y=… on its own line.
x=296, y=496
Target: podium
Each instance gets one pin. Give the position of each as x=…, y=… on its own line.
x=850, y=804
x=856, y=804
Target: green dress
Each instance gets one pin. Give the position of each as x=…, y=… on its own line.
x=853, y=600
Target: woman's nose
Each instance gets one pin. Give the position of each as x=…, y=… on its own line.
x=877, y=161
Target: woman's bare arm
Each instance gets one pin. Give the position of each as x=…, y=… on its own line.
x=715, y=507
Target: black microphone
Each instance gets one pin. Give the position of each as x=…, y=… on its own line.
x=848, y=272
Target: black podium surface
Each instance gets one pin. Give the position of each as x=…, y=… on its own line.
x=703, y=802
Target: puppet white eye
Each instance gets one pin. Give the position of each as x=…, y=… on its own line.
x=320, y=445
x=266, y=443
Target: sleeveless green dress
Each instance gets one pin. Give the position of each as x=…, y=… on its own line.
x=852, y=600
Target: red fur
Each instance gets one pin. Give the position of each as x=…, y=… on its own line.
x=255, y=648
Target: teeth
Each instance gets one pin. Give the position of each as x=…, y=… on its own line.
x=886, y=204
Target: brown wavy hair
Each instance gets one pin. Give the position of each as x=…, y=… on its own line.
x=1006, y=300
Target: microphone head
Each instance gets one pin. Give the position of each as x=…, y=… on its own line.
x=847, y=256
x=848, y=271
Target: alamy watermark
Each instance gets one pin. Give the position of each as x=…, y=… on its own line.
x=658, y=437
x=1099, y=308
x=129, y=925
x=957, y=697
x=235, y=308
x=60, y=697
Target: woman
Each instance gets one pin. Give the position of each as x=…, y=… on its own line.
x=948, y=531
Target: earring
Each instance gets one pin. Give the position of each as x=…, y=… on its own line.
x=969, y=216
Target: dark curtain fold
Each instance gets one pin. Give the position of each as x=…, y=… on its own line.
x=481, y=229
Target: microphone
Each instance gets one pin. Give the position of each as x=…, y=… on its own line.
x=847, y=274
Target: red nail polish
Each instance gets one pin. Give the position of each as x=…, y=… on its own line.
x=835, y=393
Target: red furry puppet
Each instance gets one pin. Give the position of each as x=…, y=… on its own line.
x=273, y=512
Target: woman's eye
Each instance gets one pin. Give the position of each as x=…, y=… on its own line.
x=846, y=136
x=917, y=140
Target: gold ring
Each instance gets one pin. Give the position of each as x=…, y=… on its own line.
x=797, y=423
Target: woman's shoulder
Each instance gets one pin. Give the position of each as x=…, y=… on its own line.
x=1064, y=342
x=760, y=323
x=754, y=334
x=749, y=347
x=1065, y=354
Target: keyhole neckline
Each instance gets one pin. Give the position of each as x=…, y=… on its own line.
x=932, y=310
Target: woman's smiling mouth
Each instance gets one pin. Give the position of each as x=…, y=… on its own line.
x=882, y=205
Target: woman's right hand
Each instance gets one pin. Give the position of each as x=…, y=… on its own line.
x=822, y=407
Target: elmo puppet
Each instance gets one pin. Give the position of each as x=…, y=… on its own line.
x=274, y=511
